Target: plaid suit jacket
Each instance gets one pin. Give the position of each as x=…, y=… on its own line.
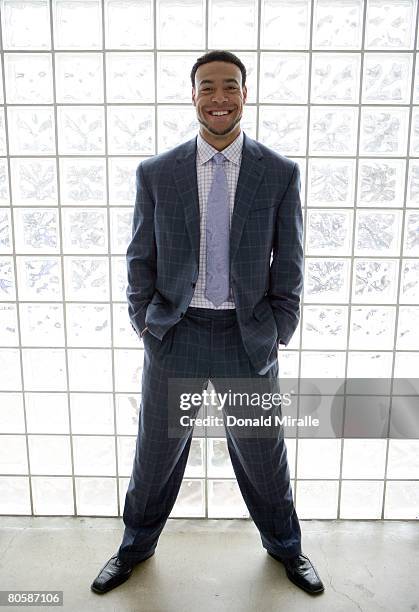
x=266, y=246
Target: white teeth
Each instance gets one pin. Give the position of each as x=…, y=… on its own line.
x=219, y=113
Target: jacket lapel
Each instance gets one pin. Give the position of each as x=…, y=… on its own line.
x=250, y=176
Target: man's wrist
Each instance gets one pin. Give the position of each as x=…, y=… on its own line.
x=143, y=331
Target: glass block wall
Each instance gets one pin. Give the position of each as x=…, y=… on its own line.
x=90, y=88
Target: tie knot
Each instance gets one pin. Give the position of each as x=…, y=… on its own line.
x=218, y=158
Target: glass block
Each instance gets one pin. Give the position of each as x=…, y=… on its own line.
x=90, y=369
x=130, y=77
x=402, y=500
x=409, y=284
x=44, y=369
x=173, y=81
x=3, y=148
x=318, y=458
x=195, y=466
x=333, y=130
x=175, y=124
x=414, y=135
x=4, y=183
x=411, y=233
x=14, y=495
x=96, y=497
x=79, y=77
x=128, y=370
x=364, y=458
x=390, y=24
x=10, y=376
x=284, y=129
x=83, y=181
x=407, y=328
x=225, y=500
x=7, y=279
x=412, y=197
x=49, y=455
x=326, y=280
x=88, y=325
x=41, y=324
x=31, y=130
x=250, y=60
x=5, y=231
x=126, y=452
x=123, y=333
x=325, y=327
x=12, y=419
x=288, y=364
x=180, y=25
x=130, y=130
x=378, y=233
x=335, y=78
x=52, y=496
x=120, y=227
x=121, y=24
x=403, y=459
x=86, y=278
x=361, y=500
x=28, y=78
x=331, y=182
x=190, y=501
x=329, y=232
x=219, y=463
x=77, y=25
x=406, y=365
x=34, y=181
x=36, y=230
x=319, y=364
x=317, y=499
x=94, y=455
x=1, y=87
x=47, y=413
x=87, y=230
x=25, y=25
x=416, y=85
x=13, y=459
x=122, y=186
x=39, y=278
x=81, y=130
x=372, y=327
x=375, y=281
x=223, y=13
x=283, y=77
x=127, y=413
x=337, y=24
x=383, y=131
x=386, y=78
x=369, y=365
x=275, y=20
x=119, y=278
x=91, y=413
x=381, y=182
x=8, y=325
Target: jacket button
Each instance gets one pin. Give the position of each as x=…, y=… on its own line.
x=181, y=315
x=193, y=284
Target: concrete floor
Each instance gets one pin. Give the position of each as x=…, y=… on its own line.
x=214, y=566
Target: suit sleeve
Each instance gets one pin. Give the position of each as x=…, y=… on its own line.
x=286, y=271
x=141, y=255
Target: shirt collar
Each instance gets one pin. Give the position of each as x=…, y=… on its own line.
x=233, y=152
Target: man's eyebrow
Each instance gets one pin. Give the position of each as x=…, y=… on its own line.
x=205, y=81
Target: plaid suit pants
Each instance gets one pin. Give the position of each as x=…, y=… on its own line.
x=205, y=345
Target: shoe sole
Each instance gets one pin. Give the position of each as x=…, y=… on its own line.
x=121, y=581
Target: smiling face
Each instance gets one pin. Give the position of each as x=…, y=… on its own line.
x=219, y=98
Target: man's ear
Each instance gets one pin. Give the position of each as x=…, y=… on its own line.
x=244, y=94
x=193, y=96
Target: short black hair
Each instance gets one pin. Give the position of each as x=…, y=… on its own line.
x=218, y=56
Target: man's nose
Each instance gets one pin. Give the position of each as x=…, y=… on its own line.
x=219, y=96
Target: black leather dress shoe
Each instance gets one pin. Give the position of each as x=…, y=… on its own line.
x=113, y=573
x=301, y=572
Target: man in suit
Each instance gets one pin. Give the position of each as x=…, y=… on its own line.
x=215, y=273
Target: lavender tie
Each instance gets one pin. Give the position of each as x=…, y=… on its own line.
x=217, y=286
